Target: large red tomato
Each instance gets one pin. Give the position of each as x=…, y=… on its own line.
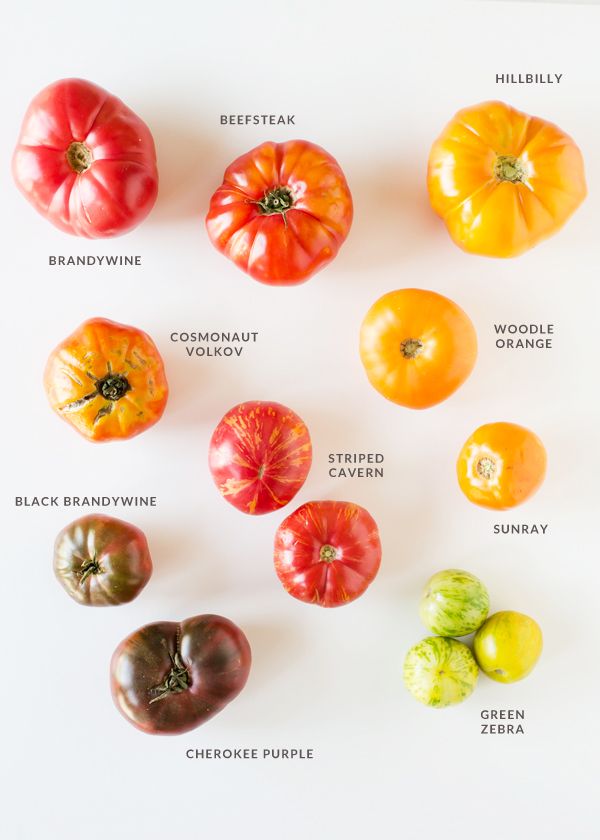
x=259, y=456
x=327, y=553
x=85, y=161
x=282, y=212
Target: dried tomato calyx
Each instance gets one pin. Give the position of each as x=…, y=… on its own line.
x=113, y=386
x=328, y=553
x=411, y=348
x=278, y=200
x=79, y=157
x=176, y=681
x=509, y=168
x=486, y=468
x=90, y=567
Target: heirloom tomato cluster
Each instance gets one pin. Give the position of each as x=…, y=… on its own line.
x=502, y=181
x=440, y=670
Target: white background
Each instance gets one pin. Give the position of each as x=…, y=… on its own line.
x=373, y=84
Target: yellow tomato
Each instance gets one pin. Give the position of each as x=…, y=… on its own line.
x=501, y=465
x=503, y=181
x=417, y=347
x=508, y=646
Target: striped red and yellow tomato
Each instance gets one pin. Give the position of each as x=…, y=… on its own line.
x=259, y=456
x=107, y=380
x=327, y=553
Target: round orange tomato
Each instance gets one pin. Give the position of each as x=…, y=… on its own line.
x=417, y=347
x=107, y=380
x=503, y=181
x=282, y=212
x=501, y=465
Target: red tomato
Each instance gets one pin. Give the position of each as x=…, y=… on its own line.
x=282, y=212
x=259, y=456
x=85, y=161
x=327, y=553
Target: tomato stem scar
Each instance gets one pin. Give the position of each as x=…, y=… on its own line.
x=486, y=468
x=328, y=553
x=411, y=348
x=90, y=567
x=113, y=386
x=277, y=200
x=79, y=157
x=509, y=168
x=176, y=681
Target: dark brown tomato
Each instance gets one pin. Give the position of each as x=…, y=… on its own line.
x=101, y=561
x=168, y=678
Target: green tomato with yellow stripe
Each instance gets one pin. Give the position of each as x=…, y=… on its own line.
x=440, y=672
x=454, y=603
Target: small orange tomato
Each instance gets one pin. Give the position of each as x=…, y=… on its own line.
x=107, y=380
x=417, y=347
x=501, y=465
x=503, y=181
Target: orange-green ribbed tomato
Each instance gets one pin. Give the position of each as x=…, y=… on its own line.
x=107, y=380
x=508, y=645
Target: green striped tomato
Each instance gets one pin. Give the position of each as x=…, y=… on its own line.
x=440, y=672
x=454, y=603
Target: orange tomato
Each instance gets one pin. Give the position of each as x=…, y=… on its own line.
x=503, y=181
x=501, y=465
x=417, y=347
x=107, y=380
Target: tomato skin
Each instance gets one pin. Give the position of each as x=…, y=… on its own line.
x=416, y=321
x=503, y=181
x=281, y=248
x=119, y=187
x=101, y=561
x=508, y=645
x=327, y=553
x=212, y=657
x=259, y=456
x=501, y=465
x=105, y=358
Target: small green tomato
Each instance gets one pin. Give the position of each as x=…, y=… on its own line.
x=440, y=672
x=454, y=603
x=508, y=646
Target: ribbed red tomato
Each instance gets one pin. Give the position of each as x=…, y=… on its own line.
x=282, y=212
x=85, y=161
x=259, y=456
x=327, y=553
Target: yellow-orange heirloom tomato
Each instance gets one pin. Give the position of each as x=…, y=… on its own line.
x=501, y=465
x=417, y=347
x=107, y=380
x=503, y=181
